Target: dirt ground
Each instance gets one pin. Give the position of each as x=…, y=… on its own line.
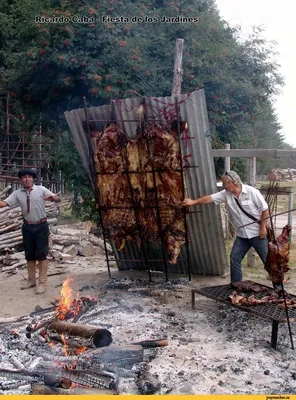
x=90, y=271
x=211, y=349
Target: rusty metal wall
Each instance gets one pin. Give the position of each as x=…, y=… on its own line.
x=207, y=249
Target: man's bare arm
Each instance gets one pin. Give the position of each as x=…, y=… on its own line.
x=3, y=204
x=263, y=231
x=201, y=200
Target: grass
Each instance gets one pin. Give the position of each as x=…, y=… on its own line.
x=282, y=200
x=258, y=272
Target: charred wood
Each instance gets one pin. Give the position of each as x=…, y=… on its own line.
x=152, y=343
x=37, y=388
x=98, y=337
x=119, y=356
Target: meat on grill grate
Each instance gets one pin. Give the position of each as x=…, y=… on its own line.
x=126, y=179
x=278, y=256
x=245, y=300
x=248, y=286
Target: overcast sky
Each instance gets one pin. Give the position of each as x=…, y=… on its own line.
x=279, y=21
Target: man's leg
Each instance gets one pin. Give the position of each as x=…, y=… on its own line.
x=261, y=247
x=29, y=246
x=41, y=254
x=239, y=250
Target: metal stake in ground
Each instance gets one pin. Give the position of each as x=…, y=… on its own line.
x=282, y=286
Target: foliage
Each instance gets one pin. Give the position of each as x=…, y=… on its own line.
x=50, y=67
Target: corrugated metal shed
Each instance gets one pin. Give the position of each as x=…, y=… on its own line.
x=207, y=249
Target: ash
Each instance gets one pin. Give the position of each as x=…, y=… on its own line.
x=213, y=349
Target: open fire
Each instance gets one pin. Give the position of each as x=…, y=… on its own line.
x=73, y=357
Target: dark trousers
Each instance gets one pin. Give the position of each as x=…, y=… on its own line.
x=35, y=238
x=240, y=248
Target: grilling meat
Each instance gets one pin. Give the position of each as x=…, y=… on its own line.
x=126, y=179
x=278, y=256
x=119, y=222
x=242, y=299
x=248, y=286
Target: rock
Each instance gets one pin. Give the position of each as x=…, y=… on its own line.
x=186, y=388
x=171, y=314
x=137, y=307
x=220, y=329
x=266, y=372
x=58, y=247
x=86, y=249
x=72, y=250
x=65, y=256
x=147, y=383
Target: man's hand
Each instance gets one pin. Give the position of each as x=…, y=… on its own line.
x=187, y=203
x=263, y=232
x=54, y=198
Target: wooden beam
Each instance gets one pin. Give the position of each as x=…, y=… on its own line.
x=254, y=153
x=177, y=82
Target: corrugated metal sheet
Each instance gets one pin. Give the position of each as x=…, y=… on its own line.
x=207, y=250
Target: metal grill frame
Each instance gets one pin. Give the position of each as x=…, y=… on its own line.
x=272, y=312
x=144, y=259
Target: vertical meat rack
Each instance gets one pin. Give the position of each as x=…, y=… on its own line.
x=146, y=255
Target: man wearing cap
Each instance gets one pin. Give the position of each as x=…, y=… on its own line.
x=31, y=199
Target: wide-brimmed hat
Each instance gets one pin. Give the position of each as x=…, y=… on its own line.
x=27, y=171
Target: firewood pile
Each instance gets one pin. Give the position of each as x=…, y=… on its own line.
x=50, y=352
x=65, y=242
x=285, y=175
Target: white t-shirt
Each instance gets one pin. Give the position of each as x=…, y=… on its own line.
x=251, y=201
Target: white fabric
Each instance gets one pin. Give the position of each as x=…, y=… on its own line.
x=251, y=201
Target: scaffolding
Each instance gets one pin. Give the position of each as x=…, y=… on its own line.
x=21, y=147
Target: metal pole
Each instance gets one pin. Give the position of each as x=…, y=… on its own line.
x=263, y=219
x=287, y=315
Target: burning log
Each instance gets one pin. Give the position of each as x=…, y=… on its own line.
x=120, y=356
x=37, y=388
x=55, y=374
x=97, y=337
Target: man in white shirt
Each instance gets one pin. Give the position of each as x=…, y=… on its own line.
x=35, y=230
x=244, y=204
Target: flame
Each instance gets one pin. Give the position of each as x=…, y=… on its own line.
x=66, y=348
x=80, y=349
x=67, y=305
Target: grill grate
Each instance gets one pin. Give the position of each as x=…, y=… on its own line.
x=267, y=311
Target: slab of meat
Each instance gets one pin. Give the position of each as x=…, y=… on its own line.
x=244, y=300
x=131, y=194
x=115, y=198
x=248, y=286
x=278, y=256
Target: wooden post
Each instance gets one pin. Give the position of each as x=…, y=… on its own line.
x=177, y=82
x=290, y=214
x=228, y=228
x=227, y=159
x=251, y=182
